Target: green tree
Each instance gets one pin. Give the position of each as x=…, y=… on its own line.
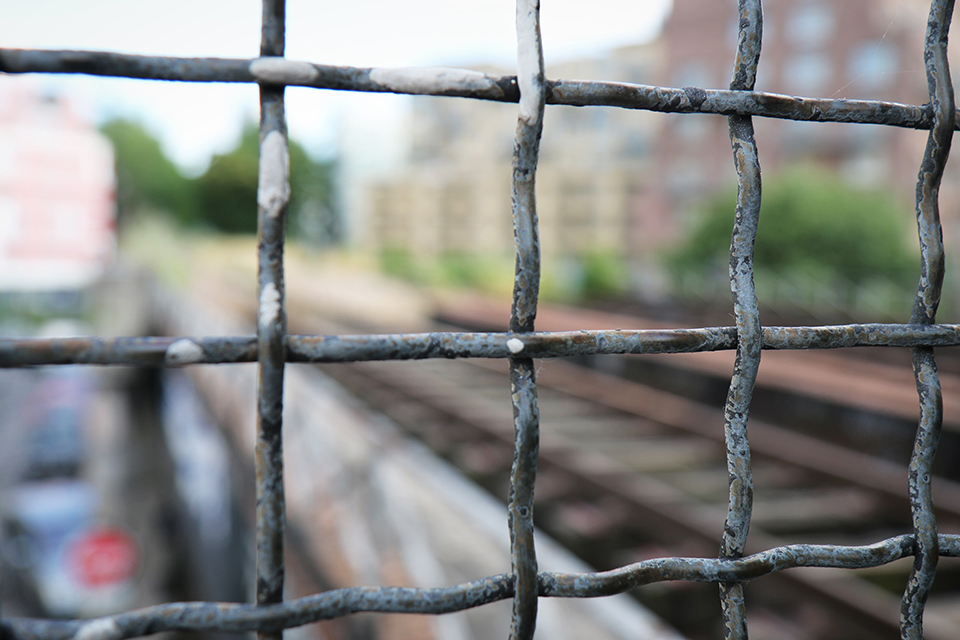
x=146, y=178
x=811, y=222
x=228, y=192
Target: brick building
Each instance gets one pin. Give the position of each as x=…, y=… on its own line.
x=861, y=49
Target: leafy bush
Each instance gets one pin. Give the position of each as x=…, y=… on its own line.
x=811, y=222
x=605, y=275
x=401, y=263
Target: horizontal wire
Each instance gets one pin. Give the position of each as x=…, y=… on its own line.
x=443, y=81
x=209, y=616
x=174, y=351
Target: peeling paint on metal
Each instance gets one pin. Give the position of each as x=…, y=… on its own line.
x=276, y=70
x=269, y=305
x=273, y=190
x=184, y=351
x=529, y=57
x=430, y=80
x=102, y=629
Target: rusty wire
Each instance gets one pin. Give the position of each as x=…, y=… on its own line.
x=468, y=84
x=526, y=289
x=172, y=352
x=272, y=347
x=208, y=616
x=920, y=469
x=747, y=315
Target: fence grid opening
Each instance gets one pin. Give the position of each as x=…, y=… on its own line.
x=273, y=347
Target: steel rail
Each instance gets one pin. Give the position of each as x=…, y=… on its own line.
x=657, y=509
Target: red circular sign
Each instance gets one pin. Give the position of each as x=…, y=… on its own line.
x=102, y=557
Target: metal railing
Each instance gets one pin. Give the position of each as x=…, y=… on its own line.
x=273, y=347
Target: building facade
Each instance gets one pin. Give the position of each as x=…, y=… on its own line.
x=630, y=182
x=858, y=49
x=453, y=195
x=57, y=204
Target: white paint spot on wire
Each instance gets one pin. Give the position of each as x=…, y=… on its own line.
x=273, y=190
x=515, y=345
x=269, y=306
x=103, y=629
x=184, y=351
x=426, y=80
x=283, y=71
x=528, y=60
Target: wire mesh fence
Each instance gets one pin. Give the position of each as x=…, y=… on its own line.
x=273, y=347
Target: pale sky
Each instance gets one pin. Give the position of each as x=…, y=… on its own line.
x=194, y=121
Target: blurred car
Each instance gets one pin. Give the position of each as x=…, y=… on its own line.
x=54, y=418
x=62, y=561
x=39, y=520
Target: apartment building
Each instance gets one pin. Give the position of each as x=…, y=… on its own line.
x=628, y=182
x=861, y=49
x=453, y=195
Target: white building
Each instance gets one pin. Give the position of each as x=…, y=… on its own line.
x=57, y=205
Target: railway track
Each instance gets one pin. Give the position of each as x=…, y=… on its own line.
x=628, y=472
x=618, y=484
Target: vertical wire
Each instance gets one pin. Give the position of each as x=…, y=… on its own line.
x=273, y=192
x=523, y=558
x=924, y=312
x=737, y=407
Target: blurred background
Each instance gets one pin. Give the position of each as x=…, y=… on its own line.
x=129, y=208
x=633, y=204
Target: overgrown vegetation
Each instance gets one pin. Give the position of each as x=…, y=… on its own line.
x=593, y=276
x=604, y=275
x=490, y=274
x=224, y=198
x=814, y=230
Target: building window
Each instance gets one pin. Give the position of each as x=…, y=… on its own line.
x=695, y=74
x=870, y=65
x=807, y=74
x=810, y=26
